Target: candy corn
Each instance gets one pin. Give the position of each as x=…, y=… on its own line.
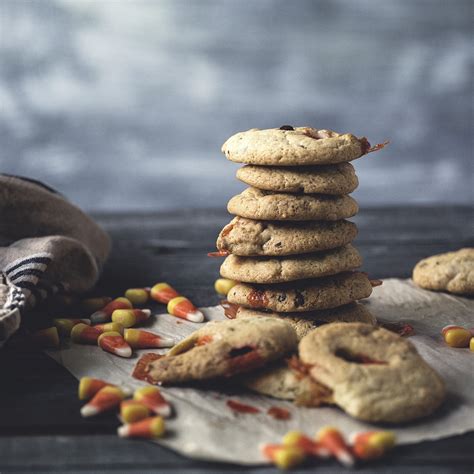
x=88, y=387
x=456, y=336
x=113, y=342
x=83, y=334
x=46, y=338
x=333, y=441
x=151, y=397
x=308, y=445
x=139, y=339
x=117, y=327
x=372, y=444
x=105, y=399
x=94, y=304
x=148, y=428
x=181, y=307
x=104, y=315
x=65, y=325
x=137, y=296
x=224, y=285
x=163, y=293
x=130, y=317
x=132, y=411
x=284, y=457
x=471, y=344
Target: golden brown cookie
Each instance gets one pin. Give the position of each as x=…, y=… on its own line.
x=303, y=295
x=326, y=179
x=373, y=374
x=289, y=268
x=247, y=237
x=451, y=271
x=293, y=146
x=266, y=205
x=305, y=322
x=223, y=349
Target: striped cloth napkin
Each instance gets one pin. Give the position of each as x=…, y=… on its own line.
x=47, y=246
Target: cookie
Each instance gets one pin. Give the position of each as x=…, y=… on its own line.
x=247, y=237
x=326, y=179
x=303, y=295
x=297, y=267
x=267, y=205
x=303, y=323
x=374, y=374
x=280, y=381
x=222, y=349
x=451, y=271
x=293, y=146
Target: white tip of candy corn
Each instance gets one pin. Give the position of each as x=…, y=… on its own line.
x=88, y=410
x=99, y=317
x=123, y=431
x=166, y=342
x=123, y=351
x=146, y=311
x=195, y=317
x=345, y=458
x=163, y=410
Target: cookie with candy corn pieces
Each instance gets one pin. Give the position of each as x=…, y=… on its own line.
x=248, y=237
x=294, y=146
x=279, y=380
x=254, y=203
x=373, y=374
x=305, y=322
x=303, y=295
x=290, y=268
x=221, y=349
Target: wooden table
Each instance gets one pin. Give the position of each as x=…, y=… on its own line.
x=40, y=426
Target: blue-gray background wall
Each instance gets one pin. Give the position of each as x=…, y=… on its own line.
x=124, y=104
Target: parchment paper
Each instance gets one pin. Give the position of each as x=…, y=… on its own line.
x=205, y=428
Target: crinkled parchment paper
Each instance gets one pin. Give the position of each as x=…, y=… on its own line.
x=205, y=428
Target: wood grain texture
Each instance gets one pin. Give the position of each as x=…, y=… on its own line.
x=40, y=426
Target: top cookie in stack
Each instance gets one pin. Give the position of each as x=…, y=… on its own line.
x=289, y=244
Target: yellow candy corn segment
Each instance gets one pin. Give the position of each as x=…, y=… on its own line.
x=224, y=285
x=175, y=302
x=288, y=457
x=125, y=317
x=137, y=295
x=132, y=411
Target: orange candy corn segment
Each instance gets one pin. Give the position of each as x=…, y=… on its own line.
x=152, y=398
x=105, y=399
x=163, y=293
x=137, y=296
x=308, y=445
x=132, y=411
x=139, y=339
x=65, y=325
x=332, y=439
x=94, y=304
x=88, y=387
x=181, y=307
x=130, y=317
x=117, y=327
x=148, y=428
x=113, y=342
x=372, y=444
x=104, y=315
x=83, y=334
x=284, y=457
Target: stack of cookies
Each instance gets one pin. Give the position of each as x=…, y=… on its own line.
x=289, y=246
